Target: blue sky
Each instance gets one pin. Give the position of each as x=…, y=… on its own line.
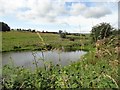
x=52, y=15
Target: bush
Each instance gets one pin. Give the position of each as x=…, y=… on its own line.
x=63, y=35
x=72, y=39
x=100, y=31
x=17, y=47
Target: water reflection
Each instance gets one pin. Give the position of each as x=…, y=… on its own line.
x=26, y=59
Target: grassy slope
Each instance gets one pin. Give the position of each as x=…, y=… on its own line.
x=16, y=41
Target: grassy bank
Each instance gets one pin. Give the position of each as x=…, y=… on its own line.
x=97, y=69
x=20, y=41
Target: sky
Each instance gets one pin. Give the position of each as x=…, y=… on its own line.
x=74, y=16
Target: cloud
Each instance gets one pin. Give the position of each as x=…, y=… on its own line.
x=57, y=11
x=48, y=11
x=43, y=10
x=86, y=24
x=96, y=12
x=10, y=6
x=77, y=9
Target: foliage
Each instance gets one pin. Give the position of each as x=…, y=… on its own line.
x=62, y=34
x=116, y=32
x=4, y=27
x=100, y=31
x=97, y=69
x=60, y=31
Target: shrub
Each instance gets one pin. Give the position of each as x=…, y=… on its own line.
x=72, y=39
x=100, y=31
x=63, y=35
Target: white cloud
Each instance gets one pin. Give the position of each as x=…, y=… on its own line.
x=92, y=0
x=10, y=6
x=96, y=12
x=55, y=11
x=92, y=11
x=77, y=9
x=46, y=9
x=43, y=10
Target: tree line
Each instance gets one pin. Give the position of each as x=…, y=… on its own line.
x=99, y=31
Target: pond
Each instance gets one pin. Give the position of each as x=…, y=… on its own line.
x=26, y=59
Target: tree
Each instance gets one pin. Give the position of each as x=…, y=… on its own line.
x=29, y=30
x=100, y=31
x=116, y=32
x=4, y=27
x=62, y=34
x=60, y=31
x=33, y=30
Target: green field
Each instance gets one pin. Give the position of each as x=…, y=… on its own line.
x=97, y=69
x=20, y=41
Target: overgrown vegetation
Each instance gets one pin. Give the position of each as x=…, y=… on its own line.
x=97, y=69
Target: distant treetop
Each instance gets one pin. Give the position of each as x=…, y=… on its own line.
x=4, y=27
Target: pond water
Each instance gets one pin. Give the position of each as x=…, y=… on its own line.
x=26, y=59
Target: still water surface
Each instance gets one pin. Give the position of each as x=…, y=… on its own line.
x=26, y=59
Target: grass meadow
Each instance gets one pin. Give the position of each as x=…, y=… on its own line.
x=20, y=41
